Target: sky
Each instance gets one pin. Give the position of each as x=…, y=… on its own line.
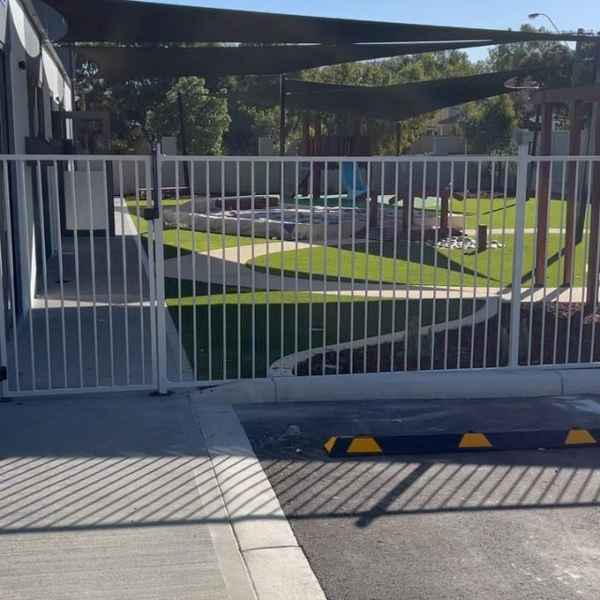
x=495, y=14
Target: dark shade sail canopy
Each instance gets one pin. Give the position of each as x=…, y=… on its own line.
x=124, y=21
x=393, y=103
x=122, y=63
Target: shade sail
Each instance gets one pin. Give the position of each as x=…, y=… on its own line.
x=120, y=63
x=394, y=103
x=142, y=22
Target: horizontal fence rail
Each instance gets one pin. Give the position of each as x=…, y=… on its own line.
x=159, y=272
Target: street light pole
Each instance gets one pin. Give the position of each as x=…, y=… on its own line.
x=536, y=15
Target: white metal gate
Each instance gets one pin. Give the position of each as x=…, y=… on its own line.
x=259, y=267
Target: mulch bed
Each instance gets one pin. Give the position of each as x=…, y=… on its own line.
x=560, y=334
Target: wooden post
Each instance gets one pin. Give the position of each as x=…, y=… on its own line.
x=445, y=213
x=543, y=196
x=571, y=191
x=482, y=238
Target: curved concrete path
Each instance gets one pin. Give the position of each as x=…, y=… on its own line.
x=229, y=266
x=286, y=366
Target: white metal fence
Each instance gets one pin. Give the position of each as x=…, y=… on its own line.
x=255, y=267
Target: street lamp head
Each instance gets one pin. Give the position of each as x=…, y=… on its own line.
x=533, y=15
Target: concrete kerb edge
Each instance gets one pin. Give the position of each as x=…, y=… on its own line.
x=447, y=385
x=263, y=534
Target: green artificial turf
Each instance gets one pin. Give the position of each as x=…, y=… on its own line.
x=440, y=267
x=243, y=349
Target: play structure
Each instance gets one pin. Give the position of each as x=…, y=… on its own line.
x=583, y=105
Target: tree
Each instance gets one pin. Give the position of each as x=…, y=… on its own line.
x=205, y=116
x=488, y=125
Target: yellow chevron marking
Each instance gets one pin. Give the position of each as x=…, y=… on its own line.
x=579, y=436
x=329, y=444
x=364, y=445
x=474, y=440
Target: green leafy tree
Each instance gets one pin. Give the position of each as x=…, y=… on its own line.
x=205, y=116
x=488, y=125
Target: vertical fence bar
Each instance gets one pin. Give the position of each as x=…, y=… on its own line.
x=161, y=325
x=281, y=267
x=140, y=268
x=395, y=269
x=462, y=264
x=61, y=278
x=192, y=182
x=475, y=265
x=559, y=281
x=223, y=272
x=253, y=265
x=535, y=265
x=421, y=261
x=153, y=280
x=44, y=270
x=491, y=206
x=352, y=267
x=179, y=287
x=267, y=270
x=311, y=192
x=436, y=226
x=545, y=264
x=380, y=301
x=571, y=257
x=325, y=265
x=296, y=262
x=4, y=279
x=587, y=250
x=209, y=274
x=515, y=300
x=366, y=275
x=239, y=271
x=339, y=270
x=125, y=284
x=448, y=233
x=29, y=255
x=408, y=227
x=107, y=239
x=93, y=271
x=12, y=277
x=595, y=282
x=502, y=256
x=77, y=275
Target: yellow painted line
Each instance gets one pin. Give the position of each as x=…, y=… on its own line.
x=474, y=440
x=364, y=445
x=579, y=436
x=329, y=444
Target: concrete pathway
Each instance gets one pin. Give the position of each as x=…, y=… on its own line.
x=112, y=498
x=228, y=266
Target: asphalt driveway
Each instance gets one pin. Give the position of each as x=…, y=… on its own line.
x=497, y=525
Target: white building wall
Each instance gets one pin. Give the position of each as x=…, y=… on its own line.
x=24, y=43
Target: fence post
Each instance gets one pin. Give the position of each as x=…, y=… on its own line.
x=157, y=225
x=517, y=268
x=3, y=329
